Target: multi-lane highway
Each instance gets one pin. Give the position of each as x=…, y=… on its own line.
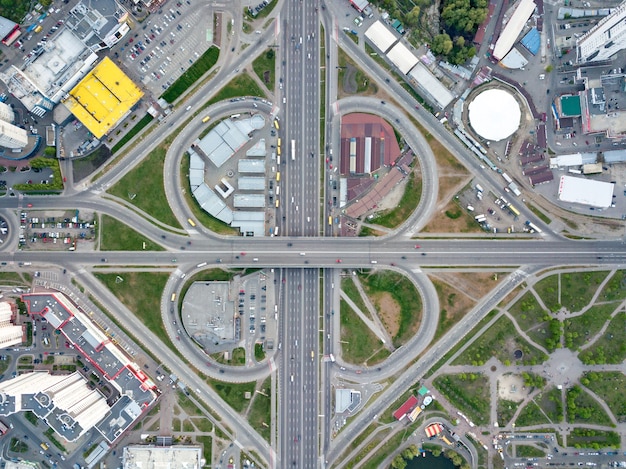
x=304, y=430
x=298, y=216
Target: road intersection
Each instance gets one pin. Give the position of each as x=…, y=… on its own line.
x=302, y=409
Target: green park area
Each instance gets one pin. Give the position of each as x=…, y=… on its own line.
x=361, y=346
x=397, y=302
x=265, y=67
x=143, y=188
x=117, y=236
x=141, y=293
x=500, y=341
x=468, y=392
x=259, y=412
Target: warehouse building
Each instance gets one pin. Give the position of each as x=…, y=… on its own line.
x=381, y=36
x=586, y=192
x=513, y=28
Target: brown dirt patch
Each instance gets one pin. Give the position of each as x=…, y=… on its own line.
x=473, y=284
x=453, y=303
x=388, y=312
x=442, y=223
x=510, y=387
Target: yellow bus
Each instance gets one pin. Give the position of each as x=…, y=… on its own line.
x=278, y=151
x=278, y=176
x=38, y=29
x=191, y=222
x=330, y=220
x=277, y=203
x=173, y=297
x=276, y=125
x=206, y=119
x=278, y=141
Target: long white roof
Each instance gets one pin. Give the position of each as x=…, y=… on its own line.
x=381, y=36
x=586, y=191
x=402, y=57
x=430, y=85
x=513, y=28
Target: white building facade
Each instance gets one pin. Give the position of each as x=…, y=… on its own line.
x=605, y=39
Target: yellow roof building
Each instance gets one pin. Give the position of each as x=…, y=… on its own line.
x=103, y=98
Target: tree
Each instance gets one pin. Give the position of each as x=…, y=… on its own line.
x=442, y=44
x=270, y=54
x=50, y=151
x=412, y=17
x=398, y=462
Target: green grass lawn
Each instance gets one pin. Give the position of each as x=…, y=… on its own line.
x=363, y=81
x=83, y=167
x=138, y=127
x=468, y=392
x=615, y=288
x=207, y=446
x=410, y=199
x=237, y=357
x=358, y=342
x=596, y=439
x=582, y=408
x=192, y=74
x=11, y=277
x=141, y=292
x=531, y=414
x=260, y=411
x=403, y=292
x=577, y=288
x=548, y=291
x=501, y=341
x=536, y=321
x=579, y=329
x=609, y=386
x=505, y=411
x=201, y=215
x=143, y=187
x=265, y=67
x=527, y=451
x=241, y=85
x=117, y=236
x=349, y=288
x=611, y=347
x=233, y=393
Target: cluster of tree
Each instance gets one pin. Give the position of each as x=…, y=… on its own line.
x=459, y=19
x=553, y=340
x=532, y=380
x=400, y=461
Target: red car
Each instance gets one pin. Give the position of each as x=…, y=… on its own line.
x=338, y=261
x=417, y=246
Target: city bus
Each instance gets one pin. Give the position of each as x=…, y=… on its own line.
x=293, y=150
x=276, y=125
x=330, y=220
x=278, y=176
x=278, y=141
x=278, y=151
x=206, y=119
x=191, y=222
x=173, y=297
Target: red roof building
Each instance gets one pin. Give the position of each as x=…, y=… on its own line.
x=405, y=408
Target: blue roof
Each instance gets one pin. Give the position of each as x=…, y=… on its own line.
x=532, y=41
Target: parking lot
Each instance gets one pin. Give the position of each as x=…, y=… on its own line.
x=159, y=51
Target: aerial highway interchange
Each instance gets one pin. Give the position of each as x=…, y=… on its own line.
x=308, y=256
